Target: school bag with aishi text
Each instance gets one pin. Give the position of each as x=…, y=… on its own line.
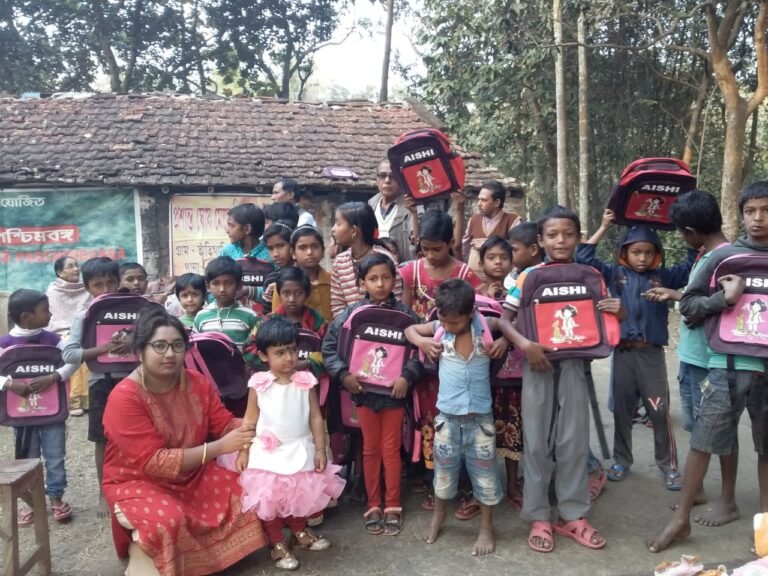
x=558, y=309
x=742, y=328
x=372, y=342
x=308, y=344
x=647, y=189
x=425, y=165
x=23, y=363
x=220, y=360
x=112, y=317
x=255, y=271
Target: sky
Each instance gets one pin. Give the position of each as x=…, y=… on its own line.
x=355, y=65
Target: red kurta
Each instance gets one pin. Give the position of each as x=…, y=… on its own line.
x=190, y=523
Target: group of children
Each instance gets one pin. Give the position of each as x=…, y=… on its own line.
x=464, y=421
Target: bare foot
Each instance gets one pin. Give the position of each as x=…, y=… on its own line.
x=675, y=530
x=485, y=543
x=701, y=498
x=719, y=514
x=433, y=530
x=102, y=511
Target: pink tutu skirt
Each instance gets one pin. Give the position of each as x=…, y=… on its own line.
x=300, y=495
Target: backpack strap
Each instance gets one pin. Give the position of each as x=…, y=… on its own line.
x=199, y=364
x=732, y=376
x=463, y=271
x=551, y=440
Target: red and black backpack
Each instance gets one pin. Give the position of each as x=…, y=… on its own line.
x=425, y=165
x=647, y=189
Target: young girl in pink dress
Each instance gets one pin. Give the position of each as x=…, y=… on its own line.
x=420, y=280
x=285, y=472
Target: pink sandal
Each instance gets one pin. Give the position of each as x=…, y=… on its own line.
x=543, y=530
x=62, y=513
x=596, y=485
x=580, y=531
x=26, y=517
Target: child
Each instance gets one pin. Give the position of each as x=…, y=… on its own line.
x=421, y=278
x=559, y=231
x=391, y=245
x=307, y=248
x=293, y=288
x=524, y=239
x=191, y=293
x=223, y=278
x=381, y=416
x=133, y=278
x=277, y=238
x=498, y=259
x=30, y=314
x=355, y=227
x=101, y=276
x=639, y=368
x=464, y=427
x=286, y=212
x=285, y=472
x=245, y=225
x=724, y=392
x=490, y=220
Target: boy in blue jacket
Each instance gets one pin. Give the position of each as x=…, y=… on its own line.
x=639, y=368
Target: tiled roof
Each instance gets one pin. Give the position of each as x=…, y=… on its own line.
x=156, y=140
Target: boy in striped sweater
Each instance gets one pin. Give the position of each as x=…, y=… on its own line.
x=223, y=278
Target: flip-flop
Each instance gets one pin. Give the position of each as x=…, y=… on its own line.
x=468, y=509
x=26, y=517
x=542, y=530
x=580, y=531
x=393, y=526
x=673, y=481
x=373, y=527
x=429, y=502
x=62, y=513
x=596, y=485
x=617, y=473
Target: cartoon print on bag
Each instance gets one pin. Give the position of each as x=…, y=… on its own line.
x=564, y=325
x=425, y=182
x=749, y=320
x=650, y=208
x=374, y=363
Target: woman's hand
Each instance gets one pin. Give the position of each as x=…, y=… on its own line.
x=321, y=460
x=399, y=388
x=238, y=439
x=242, y=461
x=352, y=385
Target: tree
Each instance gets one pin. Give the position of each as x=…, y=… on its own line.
x=583, y=123
x=384, y=90
x=560, y=110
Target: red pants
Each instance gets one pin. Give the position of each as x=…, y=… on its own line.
x=274, y=528
x=382, y=436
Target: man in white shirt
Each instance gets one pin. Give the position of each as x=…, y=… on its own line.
x=287, y=190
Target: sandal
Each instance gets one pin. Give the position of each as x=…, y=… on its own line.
x=596, y=485
x=580, y=531
x=673, y=481
x=468, y=509
x=617, y=473
x=283, y=558
x=62, y=513
x=543, y=530
x=374, y=526
x=394, y=524
x=429, y=502
x=308, y=540
x=26, y=516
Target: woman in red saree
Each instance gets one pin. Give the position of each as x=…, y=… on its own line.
x=172, y=503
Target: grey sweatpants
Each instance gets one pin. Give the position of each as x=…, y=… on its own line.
x=642, y=373
x=558, y=447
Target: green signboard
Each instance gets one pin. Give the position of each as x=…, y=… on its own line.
x=39, y=226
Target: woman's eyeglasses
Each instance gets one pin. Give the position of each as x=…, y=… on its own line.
x=384, y=175
x=161, y=346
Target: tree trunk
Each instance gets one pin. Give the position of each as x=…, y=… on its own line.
x=542, y=131
x=384, y=90
x=562, y=135
x=733, y=163
x=749, y=162
x=695, y=121
x=583, y=125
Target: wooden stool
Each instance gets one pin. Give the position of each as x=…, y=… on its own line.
x=23, y=479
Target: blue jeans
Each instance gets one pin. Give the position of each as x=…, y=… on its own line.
x=50, y=441
x=472, y=439
x=690, y=378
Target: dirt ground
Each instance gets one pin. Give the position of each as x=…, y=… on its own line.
x=626, y=513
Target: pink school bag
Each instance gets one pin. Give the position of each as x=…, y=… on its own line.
x=109, y=315
x=308, y=342
x=220, y=360
x=372, y=342
x=23, y=363
x=742, y=328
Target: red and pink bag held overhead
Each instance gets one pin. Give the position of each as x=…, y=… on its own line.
x=110, y=317
x=372, y=342
x=220, y=360
x=309, y=343
x=559, y=310
x=647, y=189
x=742, y=329
x=425, y=165
x=23, y=363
